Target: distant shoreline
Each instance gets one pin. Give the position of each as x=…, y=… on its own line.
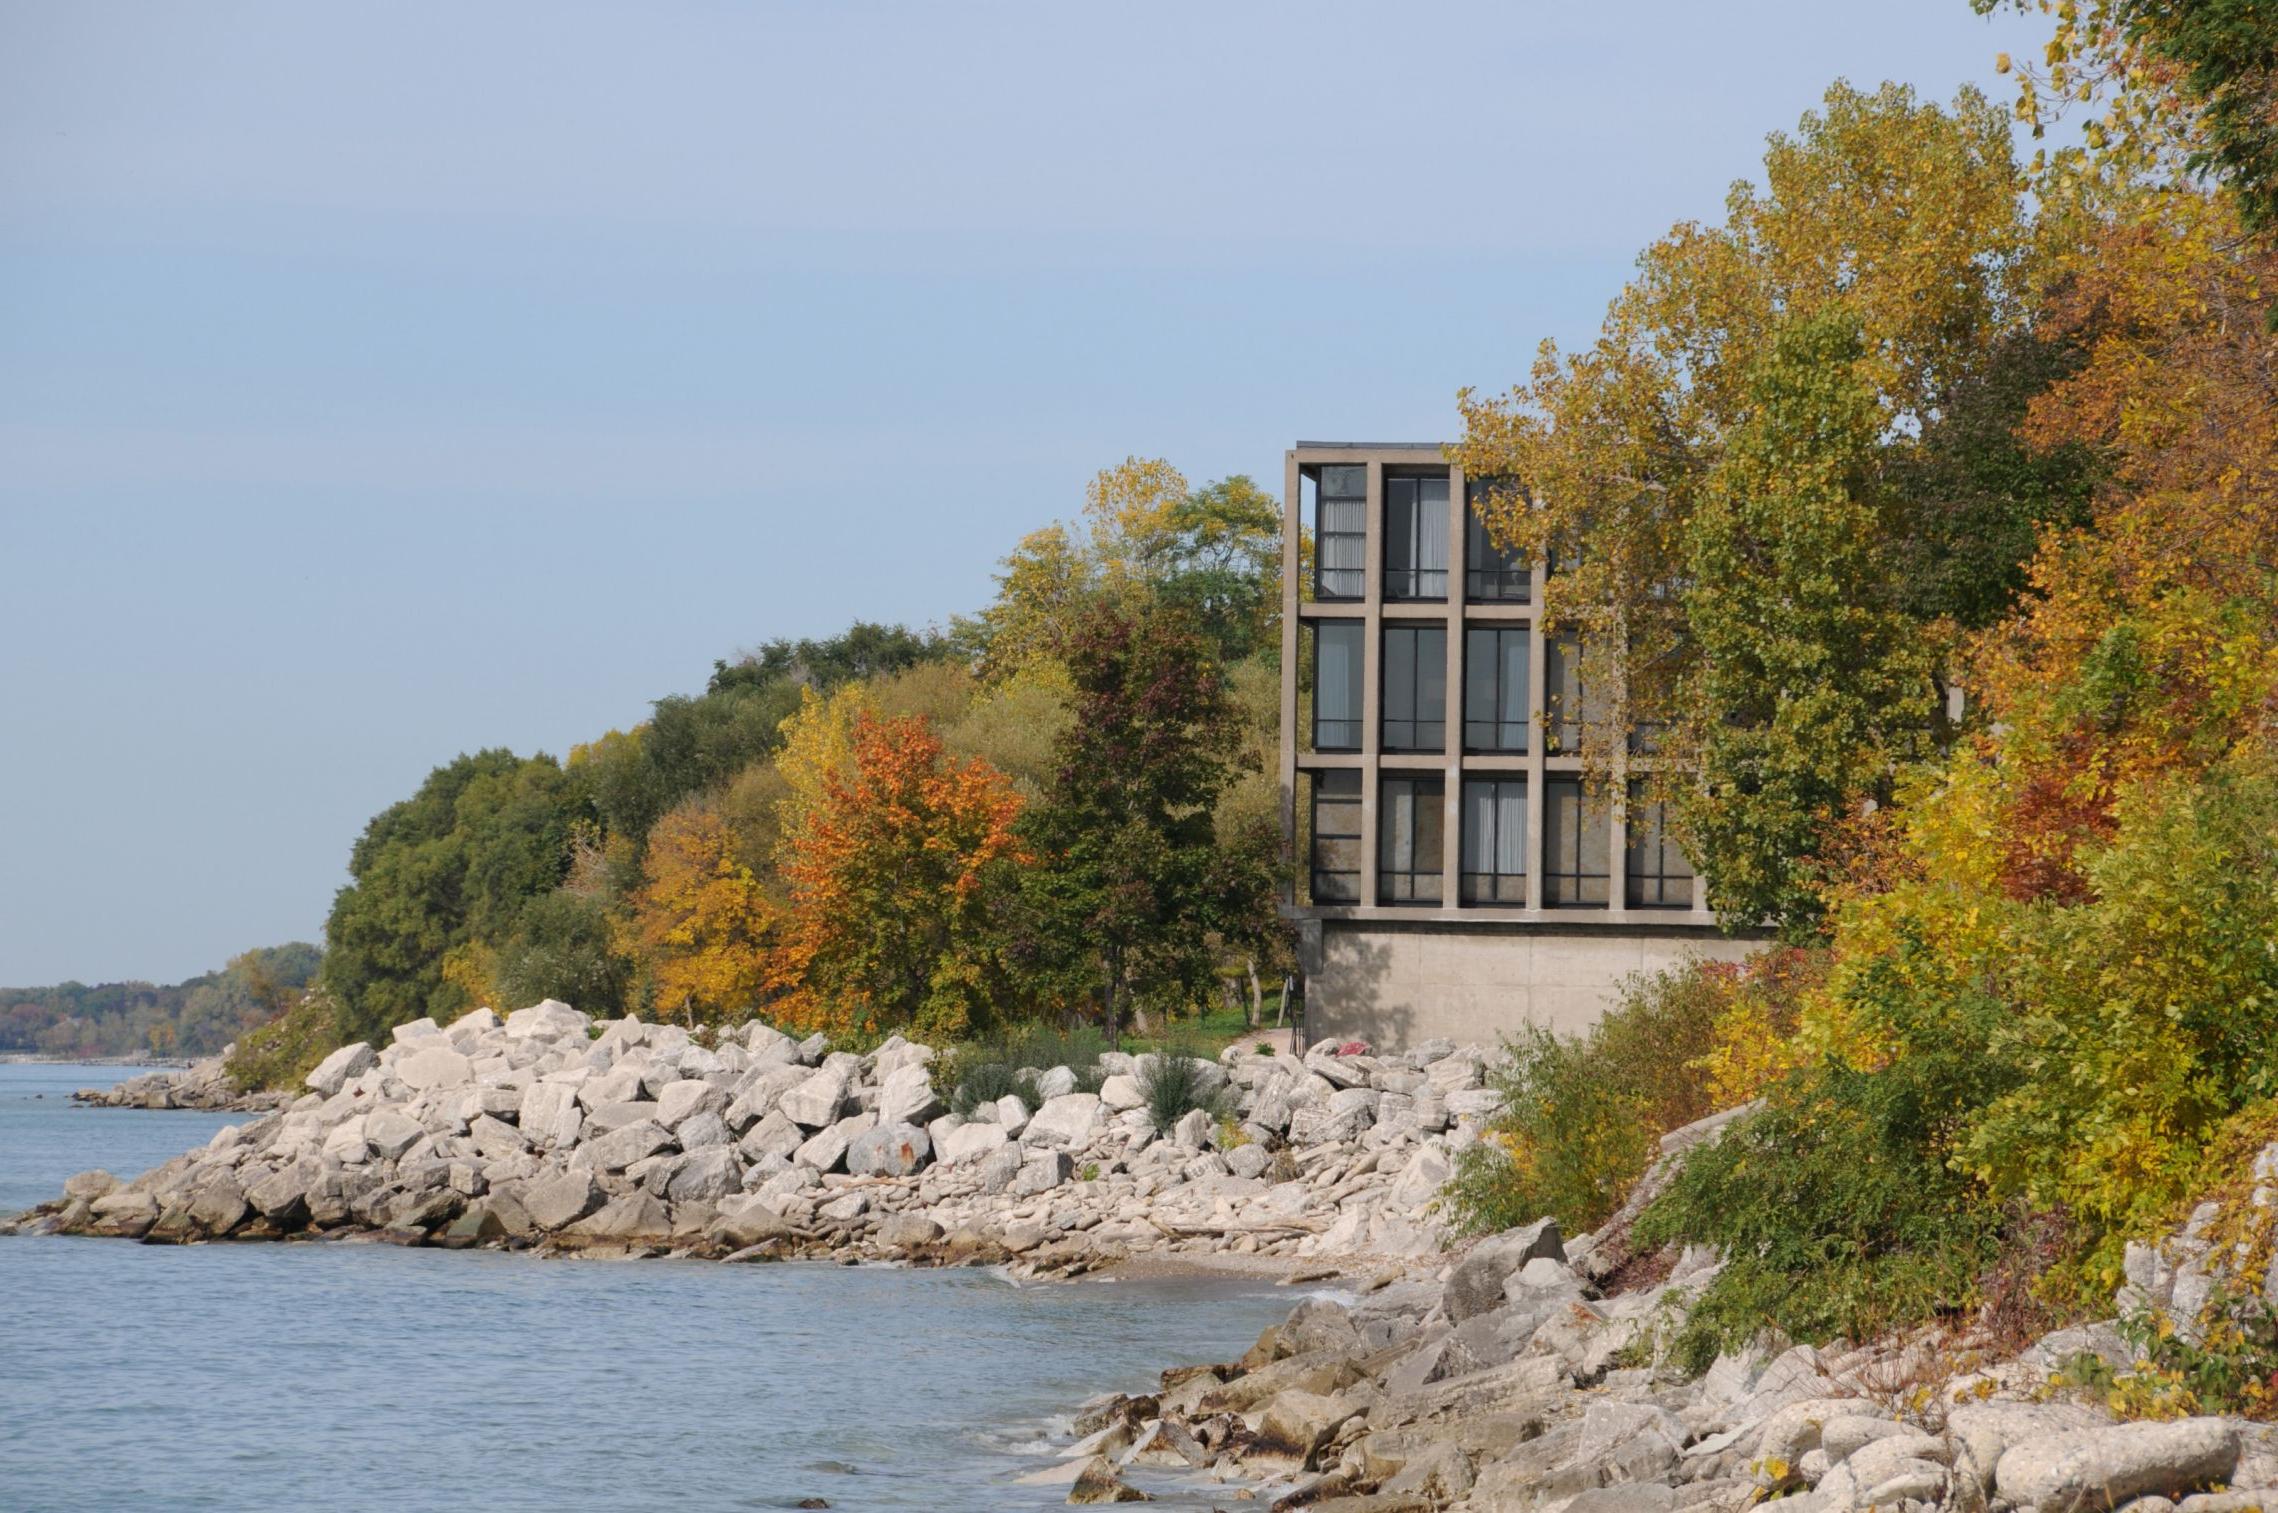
x=29, y=1058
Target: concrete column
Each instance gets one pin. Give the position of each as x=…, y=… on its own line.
x=1372, y=680
x=1451, y=820
x=1538, y=668
x=1292, y=643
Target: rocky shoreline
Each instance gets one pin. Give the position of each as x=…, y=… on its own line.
x=202, y=1085
x=1522, y=1371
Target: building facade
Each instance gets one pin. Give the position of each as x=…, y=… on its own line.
x=1456, y=874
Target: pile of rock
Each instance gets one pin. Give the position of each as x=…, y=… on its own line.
x=1509, y=1380
x=200, y=1085
x=544, y=1128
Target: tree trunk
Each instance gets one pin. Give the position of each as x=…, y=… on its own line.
x=1257, y=993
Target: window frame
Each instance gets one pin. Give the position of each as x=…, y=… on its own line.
x=1416, y=663
x=1358, y=683
x=1344, y=779
x=1414, y=583
x=1357, y=574
x=1491, y=575
x=1416, y=885
x=1566, y=878
x=1501, y=718
x=1645, y=873
x=1478, y=886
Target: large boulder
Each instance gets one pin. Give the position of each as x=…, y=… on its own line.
x=685, y=1097
x=550, y=1020
x=2103, y=1468
x=620, y=1148
x=389, y=1134
x=825, y=1150
x=707, y=1176
x=561, y=1199
x=1065, y=1122
x=1476, y=1285
x=333, y=1072
x=550, y=1116
x=890, y=1150
x=435, y=1065
x=969, y=1142
x=1041, y=1170
x=815, y=1103
x=906, y=1096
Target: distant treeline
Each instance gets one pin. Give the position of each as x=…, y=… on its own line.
x=196, y=1017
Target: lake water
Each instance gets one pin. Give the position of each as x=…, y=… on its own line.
x=353, y=1376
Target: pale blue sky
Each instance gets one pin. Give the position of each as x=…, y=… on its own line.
x=378, y=383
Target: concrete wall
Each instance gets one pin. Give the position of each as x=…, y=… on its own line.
x=1395, y=984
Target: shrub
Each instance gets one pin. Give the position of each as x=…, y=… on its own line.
x=987, y=1070
x=286, y=1049
x=1581, y=1115
x=1838, y=1207
x=1174, y=1082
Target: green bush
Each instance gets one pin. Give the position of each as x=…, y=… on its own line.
x=286, y=1049
x=1173, y=1084
x=986, y=1070
x=1581, y=1115
x=1838, y=1209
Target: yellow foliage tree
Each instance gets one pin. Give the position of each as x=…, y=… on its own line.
x=702, y=926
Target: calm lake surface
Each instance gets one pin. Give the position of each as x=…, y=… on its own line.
x=267, y=1376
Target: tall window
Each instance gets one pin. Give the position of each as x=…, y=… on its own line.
x=1415, y=688
x=1495, y=716
x=1491, y=574
x=1494, y=851
x=1337, y=684
x=1410, y=822
x=1340, y=532
x=1336, y=837
x=1577, y=846
x=1566, y=703
x=1659, y=875
x=1415, y=537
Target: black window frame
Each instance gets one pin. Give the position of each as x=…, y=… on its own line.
x=1416, y=885
x=1491, y=886
x=1563, y=720
x=1566, y=880
x=1341, y=787
x=1358, y=724
x=1325, y=589
x=1414, y=584
x=1648, y=880
x=1491, y=574
x=1501, y=720
x=1408, y=715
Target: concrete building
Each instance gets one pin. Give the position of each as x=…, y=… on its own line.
x=1455, y=873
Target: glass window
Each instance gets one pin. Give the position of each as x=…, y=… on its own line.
x=1577, y=846
x=1340, y=532
x=1495, y=714
x=1415, y=688
x=1337, y=684
x=1659, y=875
x=1336, y=837
x=1494, y=849
x=1491, y=573
x=1568, y=704
x=1410, y=820
x=1415, y=537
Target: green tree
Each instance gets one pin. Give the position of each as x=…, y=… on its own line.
x=1131, y=888
x=456, y=862
x=564, y=947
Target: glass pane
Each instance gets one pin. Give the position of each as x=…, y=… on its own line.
x=1344, y=516
x=1512, y=736
x=1431, y=528
x=1344, y=480
x=1431, y=683
x=1511, y=829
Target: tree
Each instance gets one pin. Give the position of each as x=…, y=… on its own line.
x=862, y=651
x=1646, y=468
x=898, y=875
x=564, y=946
x=702, y=927
x=455, y=862
x=1131, y=884
x=1809, y=684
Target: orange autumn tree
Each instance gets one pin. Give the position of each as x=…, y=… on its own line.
x=897, y=877
x=701, y=922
